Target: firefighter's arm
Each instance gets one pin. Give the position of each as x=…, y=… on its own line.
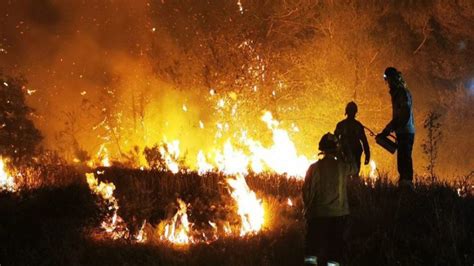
x=389, y=127
x=308, y=185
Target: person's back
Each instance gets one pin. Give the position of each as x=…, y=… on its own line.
x=325, y=191
x=326, y=203
x=351, y=135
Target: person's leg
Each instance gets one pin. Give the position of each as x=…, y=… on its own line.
x=314, y=241
x=309, y=245
x=410, y=142
x=404, y=160
x=336, y=242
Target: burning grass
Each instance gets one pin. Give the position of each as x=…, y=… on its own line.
x=64, y=224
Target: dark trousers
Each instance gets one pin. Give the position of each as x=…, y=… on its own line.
x=324, y=238
x=404, y=161
x=355, y=156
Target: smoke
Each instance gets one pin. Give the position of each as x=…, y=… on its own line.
x=119, y=72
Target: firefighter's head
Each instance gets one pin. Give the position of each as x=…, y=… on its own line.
x=328, y=143
x=393, y=78
x=351, y=109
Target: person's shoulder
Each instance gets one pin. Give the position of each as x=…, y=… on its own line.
x=359, y=124
x=312, y=167
x=340, y=123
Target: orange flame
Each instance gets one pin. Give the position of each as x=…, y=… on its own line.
x=7, y=182
x=250, y=208
x=178, y=229
x=113, y=225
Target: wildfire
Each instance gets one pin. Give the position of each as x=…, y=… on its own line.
x=178, y=229
x=370, y=171
x=250, y=208
x=170, y=152
x=282, y=157
x=289, y=202
x=7, y=182
x=113, y=224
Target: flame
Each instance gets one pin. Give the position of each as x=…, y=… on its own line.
x=232, y=161
x=170, y=152
x=290, y=202
x=282, y=157
x=102, y=158
x=202, y=165
x=113, y=224
x=370, y=171
x=250, y=208
x=7, y=182
x=178, y=229
x=373, y=170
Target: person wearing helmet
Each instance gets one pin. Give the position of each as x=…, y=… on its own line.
x=325, y=203
x=402, y=123
x=352, y=136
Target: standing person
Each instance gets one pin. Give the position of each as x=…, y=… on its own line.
x=351, y=135
x=325, y=204
x=402, y=123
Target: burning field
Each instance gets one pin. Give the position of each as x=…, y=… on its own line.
x=156, y=132
x=113, y=215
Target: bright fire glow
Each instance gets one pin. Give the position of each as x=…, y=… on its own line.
x=170, y=153
x=250, y=208
x=7, y=182
x=113, y=224
x=282, y=157
x=178, y=229
x=290, y=202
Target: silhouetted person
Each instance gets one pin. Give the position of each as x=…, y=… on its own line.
x=325, y=204
x=402, y=123
x=352, y=136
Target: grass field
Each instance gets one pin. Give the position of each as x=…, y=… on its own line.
x=56, y=225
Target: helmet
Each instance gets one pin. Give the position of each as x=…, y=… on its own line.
x=351, y=109
x=328, y=143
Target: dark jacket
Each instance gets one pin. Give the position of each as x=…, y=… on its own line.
x=325, y=188
x=402, y=112
x=353, y=139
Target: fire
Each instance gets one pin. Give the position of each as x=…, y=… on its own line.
x=250, y=208
x=113, y=224
x=203, y=165
x=102, y=158
x=178, y=230
x=370, y=171
x=170, y=152
x=282, y=157
x=290, y=202
x=7, y=182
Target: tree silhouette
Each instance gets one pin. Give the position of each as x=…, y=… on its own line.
x=19, y=137
x=430, y=144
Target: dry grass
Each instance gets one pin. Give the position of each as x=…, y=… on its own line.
x=53, y=225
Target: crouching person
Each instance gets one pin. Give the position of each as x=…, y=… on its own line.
x=325, y=204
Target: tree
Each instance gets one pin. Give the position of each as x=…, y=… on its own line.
x=19, y=138
x=430, y=144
